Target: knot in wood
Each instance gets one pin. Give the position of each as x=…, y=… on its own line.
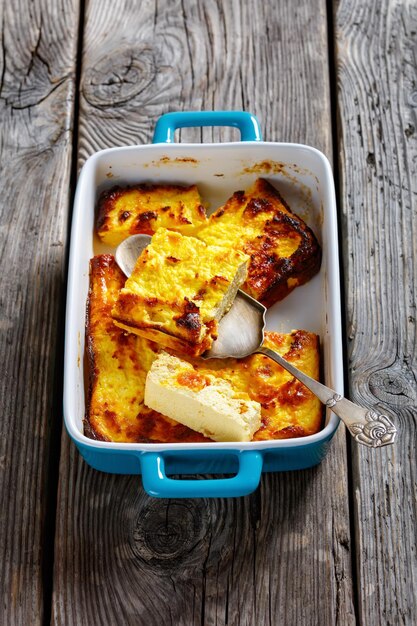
x=413, y=98
x=117, y=79
x=394, y=386
x=172, y=535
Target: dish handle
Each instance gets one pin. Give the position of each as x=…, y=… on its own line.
x=167, y=124
x=157, y=484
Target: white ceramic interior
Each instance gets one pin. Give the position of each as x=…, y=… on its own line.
x=304, y=178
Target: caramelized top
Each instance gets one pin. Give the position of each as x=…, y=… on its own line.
x=283, y=251
x=119, y=362
x=145, y=208
x=177, y=289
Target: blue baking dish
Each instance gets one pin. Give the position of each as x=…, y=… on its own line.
x=303, y=176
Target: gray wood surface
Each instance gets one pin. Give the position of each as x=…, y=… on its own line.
x=331, y=545
x=37, y=62
x=282, y=555
x=377, y=69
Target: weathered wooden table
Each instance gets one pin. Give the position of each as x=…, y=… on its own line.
x=332, y=545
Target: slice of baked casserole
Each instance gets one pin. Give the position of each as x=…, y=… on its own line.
x=283, y=250
x=179, y=290
x=117, y=364
x=126, y=211
x=206, y=403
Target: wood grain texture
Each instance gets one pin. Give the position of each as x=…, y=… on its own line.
x=377, y=68
x=281, y=555
x=37, y=55
x=143, y=60
x=270, y=558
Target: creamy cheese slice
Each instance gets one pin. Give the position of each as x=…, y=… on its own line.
x=201, y=401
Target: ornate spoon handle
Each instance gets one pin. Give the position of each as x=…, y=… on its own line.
x=365, y=425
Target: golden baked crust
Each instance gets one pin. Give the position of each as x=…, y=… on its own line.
x=178, y=290
x=117, y=366
x=288, y=408
x=283, y=250
x=118, y=363
x=126, y=211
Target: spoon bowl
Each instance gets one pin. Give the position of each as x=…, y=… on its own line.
x=129, y=250
x=241, y=333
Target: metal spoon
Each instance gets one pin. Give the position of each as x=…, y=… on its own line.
x=241, y=333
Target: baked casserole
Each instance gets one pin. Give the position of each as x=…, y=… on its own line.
x=204, y=402
x=118, y=363
x=283, y=250
x=179, y=290
x=125, y=211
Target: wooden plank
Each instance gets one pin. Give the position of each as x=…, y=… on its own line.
x=377, y=107
x=281, y=555
x=38, y=49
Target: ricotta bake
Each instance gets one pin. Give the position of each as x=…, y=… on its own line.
x=179, y=290
x=283, y=250
x=206, y=403
x=125, y=211
x=118, y=362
